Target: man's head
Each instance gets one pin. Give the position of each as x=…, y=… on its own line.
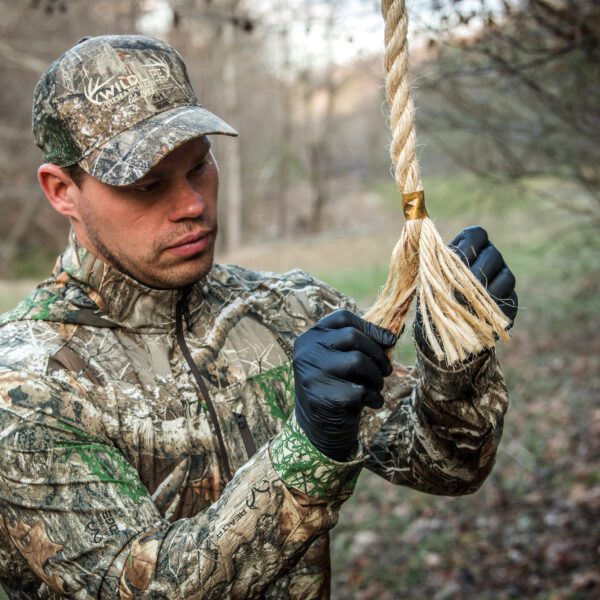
x=123, y=110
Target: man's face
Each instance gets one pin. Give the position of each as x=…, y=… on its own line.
x=161, y=229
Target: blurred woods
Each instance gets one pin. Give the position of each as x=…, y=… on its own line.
x=504, y=89
x=513, y=94
x=302, y=118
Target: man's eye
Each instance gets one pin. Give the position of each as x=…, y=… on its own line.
x=200, y=167
x=149, y=187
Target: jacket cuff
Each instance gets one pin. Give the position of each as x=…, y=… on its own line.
x=465, y=379
x=301, y=466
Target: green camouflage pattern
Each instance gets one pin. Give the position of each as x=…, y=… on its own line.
x=117, y=105
x=305, y=468
x=112, y=480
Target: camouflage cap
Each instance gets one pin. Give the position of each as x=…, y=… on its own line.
x=117, y=105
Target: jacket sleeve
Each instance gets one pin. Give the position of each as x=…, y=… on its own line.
x=438, y=430
x=78, y=514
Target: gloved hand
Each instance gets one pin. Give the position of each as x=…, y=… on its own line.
x=488, y=266
x=339, y=366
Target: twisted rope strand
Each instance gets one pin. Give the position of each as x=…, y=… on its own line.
x=421, y=264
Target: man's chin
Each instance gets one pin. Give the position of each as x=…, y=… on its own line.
x=178, y=276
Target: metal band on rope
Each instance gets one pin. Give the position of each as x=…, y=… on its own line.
x=413, y=205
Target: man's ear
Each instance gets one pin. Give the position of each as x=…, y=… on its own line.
x=62, y=192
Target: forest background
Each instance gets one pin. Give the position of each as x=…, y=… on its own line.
x=508, y=124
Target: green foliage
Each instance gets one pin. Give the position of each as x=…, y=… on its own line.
x=460, y=194
x=359, y=283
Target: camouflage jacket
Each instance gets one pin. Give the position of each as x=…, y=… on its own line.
x=147, y=448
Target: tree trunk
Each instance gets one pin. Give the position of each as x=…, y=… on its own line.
x=320, y=148
x=233, y=163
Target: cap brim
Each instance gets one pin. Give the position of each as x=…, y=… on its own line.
x=130, y=155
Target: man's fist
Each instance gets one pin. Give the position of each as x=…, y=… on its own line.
x=339, y=366
x=488, y=266
x=486, y=263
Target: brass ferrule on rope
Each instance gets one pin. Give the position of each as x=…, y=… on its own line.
x=413, y=205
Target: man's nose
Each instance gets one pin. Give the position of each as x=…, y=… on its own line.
x=187, y=203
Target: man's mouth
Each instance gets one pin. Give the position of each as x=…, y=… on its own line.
x=192, y=244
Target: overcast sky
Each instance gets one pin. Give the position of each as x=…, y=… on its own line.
x=358, y=30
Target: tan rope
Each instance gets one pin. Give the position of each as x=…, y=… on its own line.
x=421, y=263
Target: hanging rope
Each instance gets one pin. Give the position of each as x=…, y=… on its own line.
x=421, y=264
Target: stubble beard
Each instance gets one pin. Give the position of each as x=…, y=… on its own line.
x=167, y=279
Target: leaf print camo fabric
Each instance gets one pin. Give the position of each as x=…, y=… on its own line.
x=147, y=448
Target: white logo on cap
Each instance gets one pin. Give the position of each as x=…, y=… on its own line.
x=116, y=88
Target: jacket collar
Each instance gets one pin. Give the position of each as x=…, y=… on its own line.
x=126, y=302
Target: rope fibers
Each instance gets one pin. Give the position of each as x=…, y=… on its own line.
x=422, y=266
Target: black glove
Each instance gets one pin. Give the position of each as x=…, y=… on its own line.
x=488, y=266
x=339, y=366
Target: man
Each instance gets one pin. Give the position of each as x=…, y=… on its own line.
x=148, y=442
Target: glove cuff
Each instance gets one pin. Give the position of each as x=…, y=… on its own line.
x=303, y=467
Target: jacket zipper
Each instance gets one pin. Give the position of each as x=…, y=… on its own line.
x=201, y=384
x=246, y=434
